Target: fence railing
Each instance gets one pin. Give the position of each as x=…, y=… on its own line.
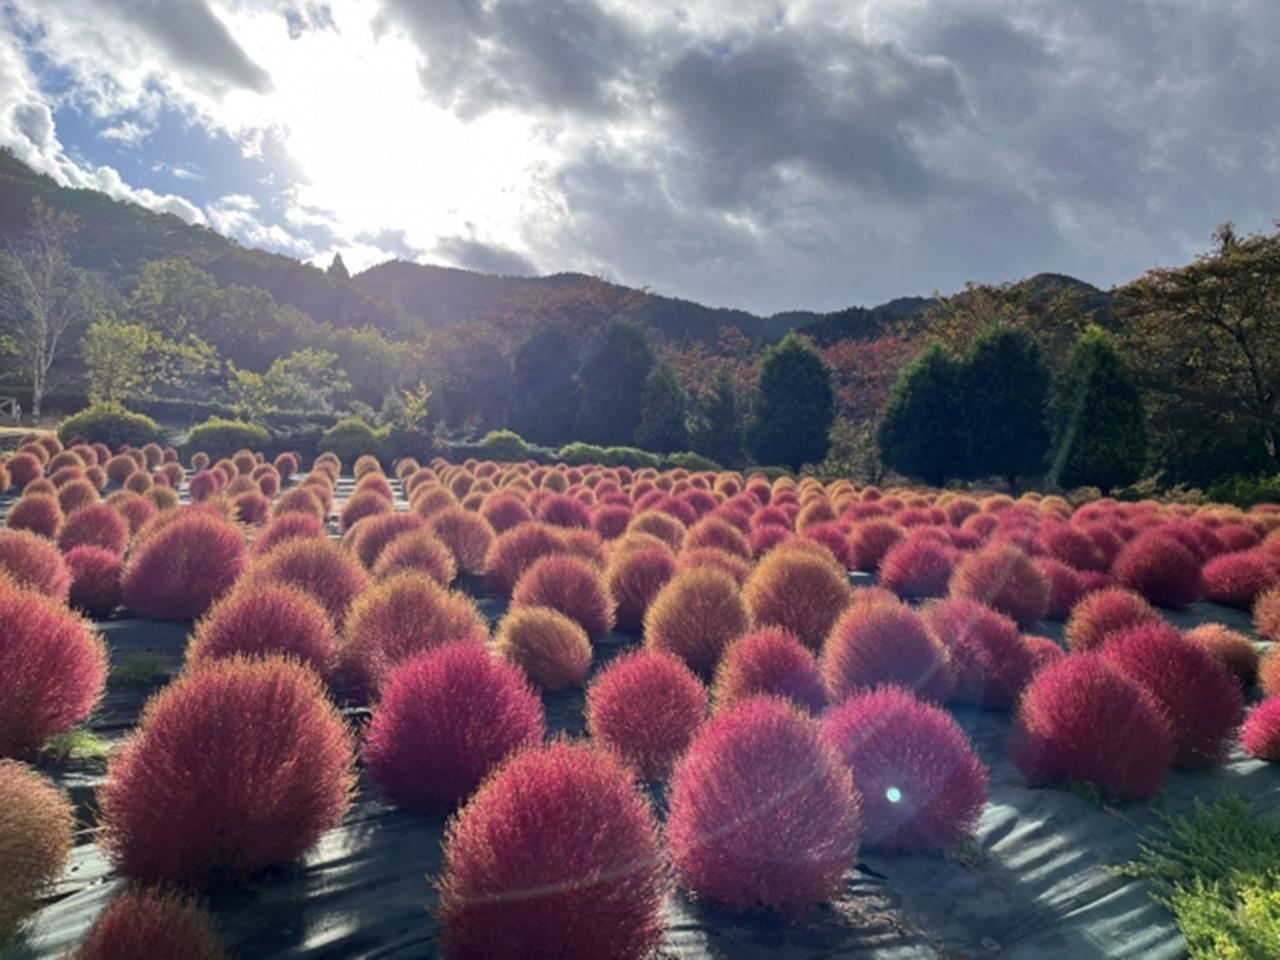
x=10, y=410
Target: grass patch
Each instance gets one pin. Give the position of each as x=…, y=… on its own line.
x=139, y=670
x=77, y=744
x=1218, y=872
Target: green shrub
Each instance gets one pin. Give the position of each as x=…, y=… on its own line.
x=1247, y=491
x=112, y=425
x=221, y=438
x=504, y=445
x=690, y=461
x=577, y=454
x=630, y=457
x=351, y=437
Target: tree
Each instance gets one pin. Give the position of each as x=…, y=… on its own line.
x=117, y=360
x=919, y=435
x=338, y=269
x=717, y=431
x=794, y=405
x=613, y=373
x=176, y=297
x=469, y=367
x=544, y=398
x=48, y=297
x=1208, y=335
x=1099, y=428
x=309, y=381
x=1004, y=388
x=663, y=412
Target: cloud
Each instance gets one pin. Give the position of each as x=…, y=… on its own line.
x=472, y=254
x=235, y=216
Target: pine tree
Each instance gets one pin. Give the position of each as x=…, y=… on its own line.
x=663, y=412
x=794, y=406
x=1099, y=426
x=717, y=431
x=1004, y=389
x=544, y=399
x=338, y=269
x=612, y=377
x=918, y=435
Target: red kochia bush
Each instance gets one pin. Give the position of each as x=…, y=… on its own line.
x=1232, y=649
x=52, y=670
x=316, y=565
x=235, y=766
x=646, y=706
x=762, y=812
x=513, y=552
x=448, y=717
x=178, y=572
x=1004, y=578
x=634, y=577
x=96, y=525
x=467, y=535
x=798, y=591
x=1236, y=579
x=918, y=566
x=571, y=585
x=286, y=526
x=1082, y=720
x=34, y=563
x=770, y=662
x=399, y=617
x=23, y=468
x=989, y=659
x=36, y=827
x=557, y=855
x=1160, y=568
x=417, y=550
x=922, y=787
x=1043, y=651
x=1266, y=615
x=361, y=504
x=259, y=620
x=95, y=580
x=1066, y=586
x=145, y=922
x=1101, y=613
x=885, y=642
x=1201, y=699
x=135, y=508
x=696, y=615
x=368, y=538
x=1073, y=546
x=203, y=485
x=39, y=513
x=1260, y=736
x=552, y=650
x=504, y=511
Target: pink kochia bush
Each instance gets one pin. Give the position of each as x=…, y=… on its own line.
x=557, y=855
x=448, y=717
x=1236, y=579
x=1104, y=612
x=646, y=706
x=34, y=563
x=1160, y=568
x=919, y=565
x=146, y=922
x=179, y=571
x=1082, y=720
x=571, y=585
x=885, y=641
x=1004, y=578
x=95, y=580
x=96, y=524
x=634, y=576
x=316, y=565
x=770, y=662
x=762, y=811
x=39, y=513
x=272, y=618
x=921, y=784
x=1201, y=699
x=235, y=766
x=1260, y=736
x=990, y=661
x=52, y=670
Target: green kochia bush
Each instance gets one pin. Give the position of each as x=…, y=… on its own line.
x=112, y=425
x=222, y=438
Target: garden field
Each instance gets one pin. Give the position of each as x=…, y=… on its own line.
x=510, y=710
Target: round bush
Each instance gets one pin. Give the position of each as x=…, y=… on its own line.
x=918, y=566
x=990, y=662
x=36, y=834
x=368, y=538
x=769, y=662
x=95, y=525
x=570, y=585
x=1232, y=649
x=146, y=922
x=1082, y=720
x=1260, y=736
x=1236, y=579
x=135, y=508
x=885, y=642
x=762, y=813
x=406, y=614
x=1074, y=547
x=39, y=513
x=272, y=618
x=1104, y=612
x=553, y=650
x=177, y=573
x=718, y=533
x=95, y=580
x=1066, y=586
x=235, y=766
x=1266, y=615
x=448, y=717
x=557, y=855
x=1201, y=699
x=696, y=615
x=33, y=563
x=1161, y=569
x=661, y=525
x=1043, y=651
x=634, y=577
x=922, y=786
x=303, y=499
x=315, y=565
x=1004, y=578
x=504, y=511
x=514, y=551
x=110, y=424
x=562, y=510
x=362, y=504
x=467, y=535
x=251, y=508
x=798, y=591
x=286, y=526
x=23, y=468
x=219, y=437
x=417, y=550
x=646, y=706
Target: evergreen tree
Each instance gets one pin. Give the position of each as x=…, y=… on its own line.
x=717, y=431
x=338, y=269
x=1004, y=388
x=794, y=405
x=544, y=398
x=612, y=377
x=663, y=412
x=1099, y=427
x=919, y=435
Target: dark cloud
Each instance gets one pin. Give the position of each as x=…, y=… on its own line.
x=472, y=254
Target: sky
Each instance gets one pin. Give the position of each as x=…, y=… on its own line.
x=793, y=154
